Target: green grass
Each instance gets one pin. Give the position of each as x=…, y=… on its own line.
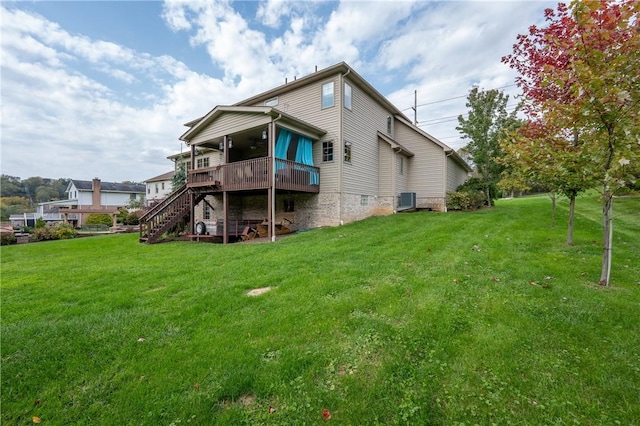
x=423, y=318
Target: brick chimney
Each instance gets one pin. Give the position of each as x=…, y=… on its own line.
x=96, y=193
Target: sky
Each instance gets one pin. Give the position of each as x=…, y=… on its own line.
x=103, y=88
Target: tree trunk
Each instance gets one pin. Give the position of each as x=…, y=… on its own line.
x=572, y=207
x=553, y=209
x=607, y=234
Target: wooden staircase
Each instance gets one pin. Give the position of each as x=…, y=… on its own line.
x=167, y=214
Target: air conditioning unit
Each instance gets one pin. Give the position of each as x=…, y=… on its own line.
x=407, y=201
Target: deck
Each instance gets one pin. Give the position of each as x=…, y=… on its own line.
x=254, y=174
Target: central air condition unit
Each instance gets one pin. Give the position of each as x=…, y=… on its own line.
x=407, y=201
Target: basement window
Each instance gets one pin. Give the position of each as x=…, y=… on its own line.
x=364, y=200
x=206, y=211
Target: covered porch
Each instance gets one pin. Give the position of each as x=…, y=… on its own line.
x=261, y=150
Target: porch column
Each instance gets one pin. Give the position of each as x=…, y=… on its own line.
x=272, y=182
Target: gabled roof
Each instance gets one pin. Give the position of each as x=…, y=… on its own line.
x=260, y=110
x=164, y=176
x=87, y=185
x=448, y=150
x=395, y=145
x=341, y=67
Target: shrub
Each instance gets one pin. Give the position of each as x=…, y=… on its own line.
x=7, y=238
x=59, y=231
x=40, y=223
x=65, y=231
x=133, y=218
x=467, y=200
x=99, y=219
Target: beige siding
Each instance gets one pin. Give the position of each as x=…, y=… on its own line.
x=229, y=123
x=402, y=174
x=361, y=125
x=305, y=103
x=385, y=169
x=456, y=175
x=426, y=172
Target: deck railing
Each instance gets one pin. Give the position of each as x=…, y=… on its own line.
x=254, y=174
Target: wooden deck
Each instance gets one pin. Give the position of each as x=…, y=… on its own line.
x=255, y=174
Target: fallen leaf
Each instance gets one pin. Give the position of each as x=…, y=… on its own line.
x=495, y=279
x=141, y=339
x=36, y=419
x=455, y=280
x=271, y=410
x=326, y=414
x=548, y=277
x=533, y=283
x=37, y=402
x=196, y=386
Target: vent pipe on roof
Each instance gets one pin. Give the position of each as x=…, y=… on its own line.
x=316, y=68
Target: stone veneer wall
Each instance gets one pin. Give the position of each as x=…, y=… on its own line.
x=313, y=210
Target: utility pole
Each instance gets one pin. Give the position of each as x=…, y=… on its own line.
x=415, y=107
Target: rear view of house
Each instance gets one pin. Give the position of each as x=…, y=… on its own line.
x=322, y=150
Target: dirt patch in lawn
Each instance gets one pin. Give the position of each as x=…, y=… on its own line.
x=258, y=291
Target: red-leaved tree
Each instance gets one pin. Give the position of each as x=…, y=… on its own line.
x=580, y=75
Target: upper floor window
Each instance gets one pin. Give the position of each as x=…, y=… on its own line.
x=389, y=123
x=347, y=96
x=327, y=95
x=148, y=190
x=347, y=152
x=203, y=162
x=327, y=151
x=163, y=186
x=156, y=188
x=401, y=165
x=271, y=102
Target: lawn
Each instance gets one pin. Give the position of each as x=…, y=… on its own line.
x=419, y=318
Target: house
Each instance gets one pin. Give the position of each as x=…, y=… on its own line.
x=322, y=150
x=159, y=187
x=88, y=197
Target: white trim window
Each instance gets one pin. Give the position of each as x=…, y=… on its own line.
x=348, y=96
x=327, y=95
x=271, y=102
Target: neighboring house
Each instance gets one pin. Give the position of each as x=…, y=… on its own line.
x=23, y=220
x=325, y=149
x=87, y=197
x=159, y=187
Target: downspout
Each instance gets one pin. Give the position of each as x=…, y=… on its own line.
x=341, y=144
x=272, y=206
x=394, y=179
x=444, y=181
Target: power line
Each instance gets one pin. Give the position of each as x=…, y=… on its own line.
x=454, y=98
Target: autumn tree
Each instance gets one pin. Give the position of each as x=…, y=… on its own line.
x=487, y=120
x=579, y=75
x=551, y=158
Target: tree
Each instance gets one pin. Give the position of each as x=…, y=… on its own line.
x=13, y=205
x=487, y=120
x=580, y=75
x=11, y=186
x=549, y=157
x=179, y=177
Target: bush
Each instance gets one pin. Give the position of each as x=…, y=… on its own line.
x=40, y=223
x=59, y=231
x=133, y=218
x=467, y=200
x=99, y=219
x=7, y=238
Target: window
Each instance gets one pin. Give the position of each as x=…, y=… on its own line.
x=401, y=165
x=271, y=102
x=347, y=152
x=364, y=200
x=206, y=211
x=148, y=190
x=156, y=188
x=327, y=95
x=163, y=186
x=132, y=196
x=347, y=96
x=327, y=151
x=203, y=162
x=389, y=124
